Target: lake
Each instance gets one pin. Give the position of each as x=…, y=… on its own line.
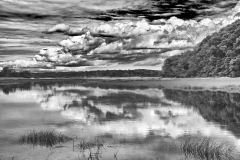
x=130, y=122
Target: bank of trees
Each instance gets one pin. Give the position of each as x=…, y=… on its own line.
x=216, y=55
x=101, y=73
x=7, y=72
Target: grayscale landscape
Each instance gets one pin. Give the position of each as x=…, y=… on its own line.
x=119, y=80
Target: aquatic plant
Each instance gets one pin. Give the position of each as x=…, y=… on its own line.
x=207, y=149
x=44, y=138
x=83, y=145
x=93, y=148
x=115, y=154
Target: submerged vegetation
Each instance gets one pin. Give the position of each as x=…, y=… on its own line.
x=207, y=149
x=44, y=138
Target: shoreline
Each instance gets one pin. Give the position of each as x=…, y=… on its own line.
x=214, y=84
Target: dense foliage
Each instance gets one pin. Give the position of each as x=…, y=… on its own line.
x=216, y=55
x=6, y=72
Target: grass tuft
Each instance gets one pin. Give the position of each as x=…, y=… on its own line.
x=207, y=149
x=92, y=147
x=44, y=138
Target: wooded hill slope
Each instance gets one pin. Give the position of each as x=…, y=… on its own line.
x=216, y=55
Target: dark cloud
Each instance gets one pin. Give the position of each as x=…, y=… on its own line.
x=25, y=15
x=75, y=64
x=184, y=9
x=155, y=9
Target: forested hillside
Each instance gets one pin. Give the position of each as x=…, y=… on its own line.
x=216, y=55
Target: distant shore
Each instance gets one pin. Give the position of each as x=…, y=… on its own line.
x=216, y=84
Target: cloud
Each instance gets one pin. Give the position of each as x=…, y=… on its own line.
x=83, y=43
x=27, y=64
x=58, y=57
x=110, y=48
x=150, y=62
x=58, y=28
x=34, y=9
x=123, y=42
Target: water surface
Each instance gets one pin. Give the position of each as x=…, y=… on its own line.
x=136, y=123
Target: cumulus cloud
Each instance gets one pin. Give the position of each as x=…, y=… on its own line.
x=59, y=57
x=58, y=28
x=135, y=42
x=27, y=64
x=82, y=44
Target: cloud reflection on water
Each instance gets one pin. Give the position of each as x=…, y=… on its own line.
x=108, y=111
x=134, y=120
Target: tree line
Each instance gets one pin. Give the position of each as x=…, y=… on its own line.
x=8, y=72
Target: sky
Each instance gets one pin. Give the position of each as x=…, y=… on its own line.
x=73, y=35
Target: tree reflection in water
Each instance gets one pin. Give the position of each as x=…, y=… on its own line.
x=219, y=107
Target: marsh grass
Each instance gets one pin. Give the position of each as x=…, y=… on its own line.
x=83, y=145
x=89, y=149
x=207, y=149
x=44, y=138
x=115, y=154
x=92, y=147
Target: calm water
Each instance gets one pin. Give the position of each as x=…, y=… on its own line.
x=135, y=123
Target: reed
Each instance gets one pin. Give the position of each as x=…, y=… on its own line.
x=115, y=155
x=92, y=147
x=207, y=149
x=44, y=138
